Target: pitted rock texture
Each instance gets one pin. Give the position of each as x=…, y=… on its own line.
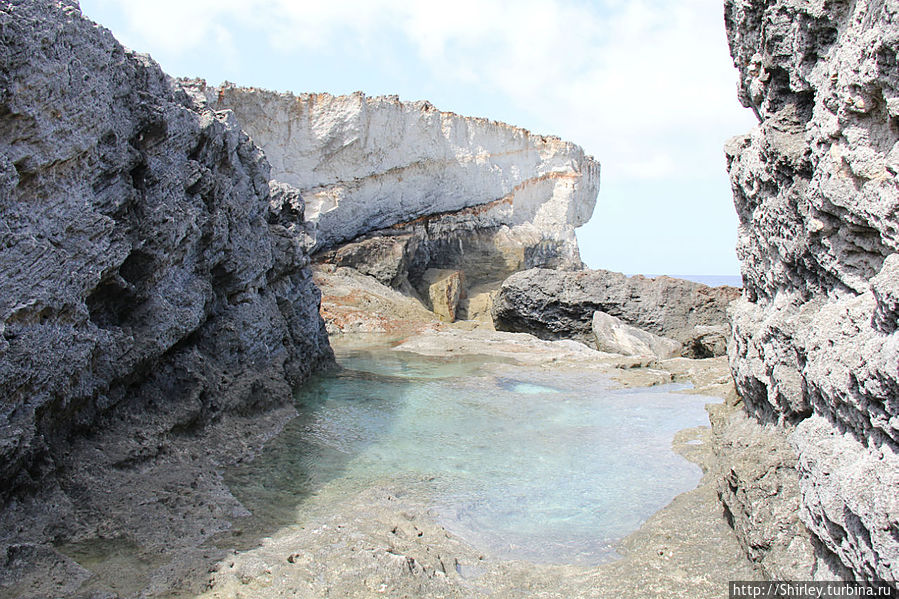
x=816, y=190
x=368, y=165
x=554, y=304
x=144, y=259
x=759, y=489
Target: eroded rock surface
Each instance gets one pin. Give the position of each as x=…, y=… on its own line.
x=144, y=259
x=394, y=188
x=365, y=164
x=555, y=304
x=442, y=289
x=815, y=347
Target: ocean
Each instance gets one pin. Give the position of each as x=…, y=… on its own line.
x=710, y=280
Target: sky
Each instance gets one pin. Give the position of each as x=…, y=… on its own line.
x=645, y=86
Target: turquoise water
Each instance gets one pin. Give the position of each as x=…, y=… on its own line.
x=524, y=464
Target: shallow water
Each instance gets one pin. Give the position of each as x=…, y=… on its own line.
x=524, y=464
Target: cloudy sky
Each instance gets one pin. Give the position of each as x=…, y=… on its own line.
x=646, y=86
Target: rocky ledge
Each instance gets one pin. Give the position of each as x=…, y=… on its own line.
x=597, y=307
x=816, y=350
x=398, y=190
x=145, y=261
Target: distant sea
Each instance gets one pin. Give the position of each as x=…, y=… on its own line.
x=710, y=280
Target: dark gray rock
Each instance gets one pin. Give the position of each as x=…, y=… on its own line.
x=555, y=304
x=815, y=348
x=143, y=258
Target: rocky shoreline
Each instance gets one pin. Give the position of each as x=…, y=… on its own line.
x=386, y=539
x=177, y=259
x=345, y=543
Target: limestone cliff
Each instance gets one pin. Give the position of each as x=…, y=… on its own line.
x=816, y=350
x=144, y=259
x=410, y=188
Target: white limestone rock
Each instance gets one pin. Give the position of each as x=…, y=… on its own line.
x=364, y=164
x=615, y=336
x=553, y=304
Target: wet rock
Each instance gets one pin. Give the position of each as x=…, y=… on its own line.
x=32, y=571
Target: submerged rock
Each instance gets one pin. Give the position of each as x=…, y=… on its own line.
x=815, y=348
x=555, y=304
x=144, y=258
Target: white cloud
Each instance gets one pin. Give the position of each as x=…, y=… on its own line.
x=646, y=85
x=173, y=26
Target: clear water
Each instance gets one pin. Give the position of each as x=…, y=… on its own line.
x=543, y=466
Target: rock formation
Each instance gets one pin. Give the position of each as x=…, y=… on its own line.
x=614, y=336
x=554, y=304
x=442, y=290
x=393, y=188
x=815, y=353
x=144, y=260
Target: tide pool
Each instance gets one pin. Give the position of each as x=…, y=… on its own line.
x=539, y=465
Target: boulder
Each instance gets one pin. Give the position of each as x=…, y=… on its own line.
x=553, y=304
x=614, y=336
x=385, y=258
x=443, y=289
